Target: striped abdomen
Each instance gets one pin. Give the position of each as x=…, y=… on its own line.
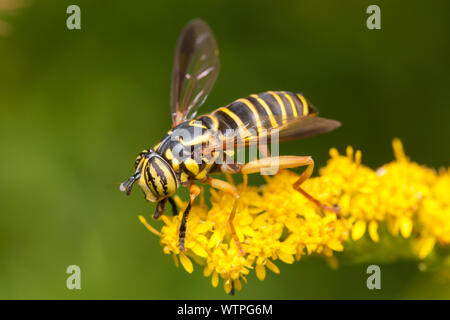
x=263, y=111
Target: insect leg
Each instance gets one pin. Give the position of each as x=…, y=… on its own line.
x=230, y=189
x=285, y=162
x=245, y=180
x=160, y=208
x=265, y=153
x=194, y=191
x=232, y=289
x=174, y=206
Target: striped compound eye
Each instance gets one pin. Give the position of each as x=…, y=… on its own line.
x=158, y=179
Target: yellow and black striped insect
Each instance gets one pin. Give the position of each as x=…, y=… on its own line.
x=191, y=150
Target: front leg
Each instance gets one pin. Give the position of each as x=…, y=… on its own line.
x=161, y=207
x=194, y=191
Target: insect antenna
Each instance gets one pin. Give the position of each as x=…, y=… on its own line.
x=127, y=185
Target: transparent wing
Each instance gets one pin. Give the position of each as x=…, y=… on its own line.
x=286, y=128
x=195, y=70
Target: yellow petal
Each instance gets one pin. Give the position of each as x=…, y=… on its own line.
x=309, y=213
x=207, y=271
x=373, y=231
x=398, y=149
x=393, y=226
x=149, y=227
x=425, y=247
x=260, y=271
x=227, y=285
x=406, y=227
x=199, y=250
x=358, y=156
x=327, y=252
x=186, y=263
x=175, y=260
x=335, y=245
x=332, y=262
x=179, y=202
x=298, y=255
x=248, y=231
x=285, y=257
x=270, y=265
x=239, y=234
x=215, y=279
x=334, y=153
x=203, y=227
x=215, y=239
x=310, y=247
x=349, y=151
x=358, y=230
x=260, y=260
x=167, y=220
x=237, y=284
x=344, y=203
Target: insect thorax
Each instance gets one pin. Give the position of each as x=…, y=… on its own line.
x=185, y=148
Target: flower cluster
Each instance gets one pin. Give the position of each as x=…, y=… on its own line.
x=275, y=223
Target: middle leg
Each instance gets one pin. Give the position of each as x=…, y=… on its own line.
x=230, y=189
x=194, y=191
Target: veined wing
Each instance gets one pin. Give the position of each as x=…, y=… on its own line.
x=195, y=70
x=286, y=128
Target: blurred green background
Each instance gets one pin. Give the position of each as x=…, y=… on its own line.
x=77, y=106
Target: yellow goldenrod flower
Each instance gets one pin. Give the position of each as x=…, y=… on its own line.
x=357, y=186
x=434, y=216
x=225, y=261
x=275, y=222
x=403, y=186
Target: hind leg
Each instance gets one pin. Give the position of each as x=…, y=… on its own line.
x=285, y=162
x=230, y=189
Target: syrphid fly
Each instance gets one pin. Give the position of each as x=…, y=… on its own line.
x=180, y=159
